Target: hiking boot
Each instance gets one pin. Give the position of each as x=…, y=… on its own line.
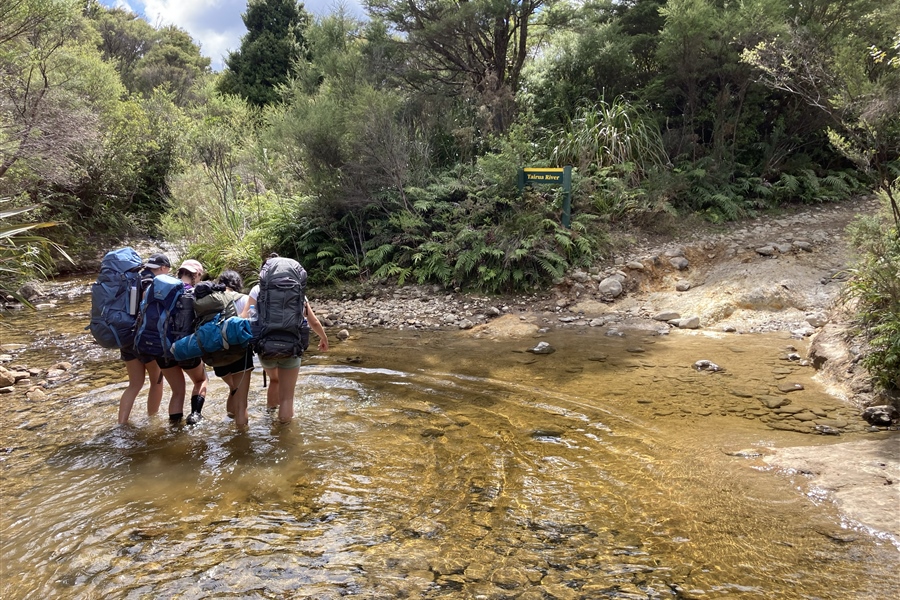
x=196, y=406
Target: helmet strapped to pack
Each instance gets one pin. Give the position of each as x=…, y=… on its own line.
x=282, y=295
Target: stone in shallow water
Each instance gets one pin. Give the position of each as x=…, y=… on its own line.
x=790, y=410
x=509, y=578
x=882, y=415
x=774, y=401
x=805, y=416
x=542, y=348
x=789, y=387
x=745, y=453
x=707, y=365
x=826, y=430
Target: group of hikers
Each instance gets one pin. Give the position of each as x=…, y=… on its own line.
x=165, y=327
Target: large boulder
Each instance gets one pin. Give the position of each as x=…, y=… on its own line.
x=611, y=286
x=881, y=416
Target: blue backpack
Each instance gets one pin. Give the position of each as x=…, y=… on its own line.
x=157, y=317
x=218, y=341
x=114, y=299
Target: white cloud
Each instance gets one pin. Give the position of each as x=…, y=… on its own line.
x=214, y=24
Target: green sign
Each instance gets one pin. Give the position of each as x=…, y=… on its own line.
x=556, y=175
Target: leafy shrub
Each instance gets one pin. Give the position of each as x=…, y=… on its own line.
x=876, y=287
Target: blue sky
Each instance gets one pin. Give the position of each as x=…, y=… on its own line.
x=215, y=24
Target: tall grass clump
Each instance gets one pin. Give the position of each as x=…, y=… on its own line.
x=23, y=254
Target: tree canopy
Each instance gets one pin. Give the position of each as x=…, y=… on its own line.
x=387, y=147
x=270, y=50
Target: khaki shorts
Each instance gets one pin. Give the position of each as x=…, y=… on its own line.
x=281, y=363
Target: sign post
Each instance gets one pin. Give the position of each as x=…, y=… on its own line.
x=555, y=175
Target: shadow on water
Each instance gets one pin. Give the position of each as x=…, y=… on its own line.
x=429, y=465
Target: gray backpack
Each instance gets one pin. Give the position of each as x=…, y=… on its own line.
x=277, y=332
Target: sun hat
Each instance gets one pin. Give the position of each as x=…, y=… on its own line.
x=192, y=266
x=158, y=261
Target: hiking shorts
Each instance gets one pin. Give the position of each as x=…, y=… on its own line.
x=242, y=364
x=130, y=354
x=281, y=363
x=168, y=363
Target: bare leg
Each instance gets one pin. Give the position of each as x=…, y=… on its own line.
x=239, y=386
x=272, y=398
x=135, y=382
x=198, y=376
x=232, y=381
x=198, y=392
x=175, y=377
x=154, y=396
x=287, y=383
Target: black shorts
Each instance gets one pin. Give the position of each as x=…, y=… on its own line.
x=242, y=364
x=130, y=354
x=168, y=363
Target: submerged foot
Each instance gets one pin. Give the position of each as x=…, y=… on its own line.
x=196, y=406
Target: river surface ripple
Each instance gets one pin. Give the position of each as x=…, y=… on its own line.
x=429, y=465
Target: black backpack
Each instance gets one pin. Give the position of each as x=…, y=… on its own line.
x=181, y=323
x=282, y=294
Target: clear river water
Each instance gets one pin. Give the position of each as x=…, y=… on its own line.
x=431, y=465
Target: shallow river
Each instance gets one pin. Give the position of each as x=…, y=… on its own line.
x=432, y=465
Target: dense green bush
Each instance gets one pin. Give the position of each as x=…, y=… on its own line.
x=876, y=287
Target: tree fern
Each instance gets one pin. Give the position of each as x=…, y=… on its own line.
x=389, y=270
x=467, y=260
x=378, y=256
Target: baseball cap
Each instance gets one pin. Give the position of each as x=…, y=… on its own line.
x=157, y=261
x=191, y=265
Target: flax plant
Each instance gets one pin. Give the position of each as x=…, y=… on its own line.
x=22, y=253
x=611, y=135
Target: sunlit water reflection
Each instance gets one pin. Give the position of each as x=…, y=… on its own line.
x=428, y=465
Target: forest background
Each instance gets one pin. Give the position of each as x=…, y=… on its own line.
x=387, y=148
